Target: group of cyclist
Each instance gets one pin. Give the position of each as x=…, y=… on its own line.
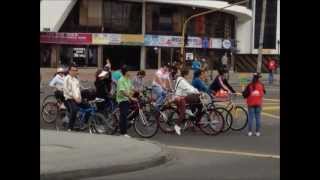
x=168, y=78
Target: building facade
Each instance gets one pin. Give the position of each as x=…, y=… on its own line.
x=147, y=33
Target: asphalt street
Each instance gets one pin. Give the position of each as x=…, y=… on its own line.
x=229, y=156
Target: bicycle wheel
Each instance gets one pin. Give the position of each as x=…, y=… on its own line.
x=240, y=118
x=49, y=98
x=62, y=122
x=167, y=119
x=99, y=124
x=227, y=117
x=49, y=112
x=145, y=127
x=211, y=123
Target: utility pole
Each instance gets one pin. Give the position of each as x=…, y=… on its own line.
x=263, y=19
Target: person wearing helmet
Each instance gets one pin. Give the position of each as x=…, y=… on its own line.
x=57, y=83
x=221, y=83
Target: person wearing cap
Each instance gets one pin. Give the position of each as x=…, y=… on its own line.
x=254, y=93
x=57, y=83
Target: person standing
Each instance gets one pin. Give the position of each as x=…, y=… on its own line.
x=254, y=93
x=225, y=65
x=72, y=94
x=196, y=64
x=272, y=66
x=103, y=86
x=124, y=94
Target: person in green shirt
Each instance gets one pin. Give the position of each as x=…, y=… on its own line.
x=124, y=95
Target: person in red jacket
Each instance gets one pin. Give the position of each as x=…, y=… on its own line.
x=272, y=66
x=254, y=93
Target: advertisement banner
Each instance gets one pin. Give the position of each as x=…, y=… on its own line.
x=111, y=39
x=65, y=38
x=132, y=39
x=194, y=42
x=215, y=43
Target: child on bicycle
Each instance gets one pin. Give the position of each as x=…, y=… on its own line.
x=254, y=93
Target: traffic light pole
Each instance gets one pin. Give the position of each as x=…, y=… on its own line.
x=182, y=54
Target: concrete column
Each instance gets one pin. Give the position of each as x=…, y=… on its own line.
x=143, y=58
x=54, y=62
x=100, y=56
x=159, y=57
x=143, y=48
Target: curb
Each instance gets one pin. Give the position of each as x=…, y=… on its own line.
x=159, y=159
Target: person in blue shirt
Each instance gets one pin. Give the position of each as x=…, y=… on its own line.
x=196, y=65
x=198, y=81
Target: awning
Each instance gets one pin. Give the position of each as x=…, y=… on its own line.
x=53, y=13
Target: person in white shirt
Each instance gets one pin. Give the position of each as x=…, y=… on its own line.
x=72, y=94
x=161, y=83
x=57, y=83
x=184, y=93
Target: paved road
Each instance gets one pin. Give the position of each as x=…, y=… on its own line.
x=232, y=155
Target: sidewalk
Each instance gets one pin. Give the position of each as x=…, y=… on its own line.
x=66, y=155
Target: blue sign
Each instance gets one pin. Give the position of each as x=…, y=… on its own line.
x=205, y=43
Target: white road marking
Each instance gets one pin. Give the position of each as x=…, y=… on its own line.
x=276, y=100
x=270, y=115
x=225, y=152
x=270, y=107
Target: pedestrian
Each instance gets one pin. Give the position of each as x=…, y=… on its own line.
x=225, y=65
x=271, y=66
x=72, y=94
x=196, y=64
x=254, y=93
x=124, y=95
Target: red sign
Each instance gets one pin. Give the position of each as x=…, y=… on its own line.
x=66, y=38
x=200, y=24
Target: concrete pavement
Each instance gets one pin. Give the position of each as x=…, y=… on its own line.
x=69, y=155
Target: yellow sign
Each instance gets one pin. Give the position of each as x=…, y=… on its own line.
x=131, y=39
x=100, y=39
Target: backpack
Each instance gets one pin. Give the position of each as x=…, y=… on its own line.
x=246, y=92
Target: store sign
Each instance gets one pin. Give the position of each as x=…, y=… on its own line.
x=65, y=38
x=79, y=52
x=205, y=42
x=194, y=42
x=131, y=39
x=189, y=56
x=215, y=43
x=108, y=39
x=226, y=44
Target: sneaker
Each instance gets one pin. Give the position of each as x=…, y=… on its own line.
x=69, y=130
x=127, y=136
x=177, y=129
x=189, y=112
x=249, y=133
x=258, y=134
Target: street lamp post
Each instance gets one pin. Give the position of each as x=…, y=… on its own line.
x=197, y=15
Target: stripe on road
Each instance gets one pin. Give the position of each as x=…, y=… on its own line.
x=270, y=107
x=270, y=115
x=225, y=152
x=275, y=100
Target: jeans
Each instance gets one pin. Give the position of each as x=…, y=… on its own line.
x=73, y=109
x=254, y=112
x=270, y=77
x=124, y=110
x=161, y=95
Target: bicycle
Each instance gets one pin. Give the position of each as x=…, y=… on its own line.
x=51, y=110
x=96, y=122
x=237, y=118
x=144, y=127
